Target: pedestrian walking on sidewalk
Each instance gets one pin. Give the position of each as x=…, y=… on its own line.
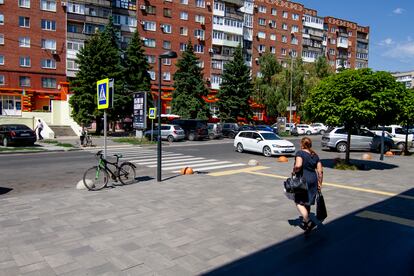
x=308, y=166
x=39, y=129
x=83, y=135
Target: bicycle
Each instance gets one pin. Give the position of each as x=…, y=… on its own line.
x=96, y=177
x=88, y=140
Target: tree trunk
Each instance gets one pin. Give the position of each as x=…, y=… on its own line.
x=348, y=147
x=99, y=125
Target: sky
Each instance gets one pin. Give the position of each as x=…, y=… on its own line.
x=391, y=25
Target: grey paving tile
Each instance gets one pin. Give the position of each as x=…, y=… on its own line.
x=27, y=258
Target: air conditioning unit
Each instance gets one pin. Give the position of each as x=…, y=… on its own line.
x=211, y=50
x=208, y=4
x=142, y=7
x=142, y=23
x=53, y=52
x=63, y=4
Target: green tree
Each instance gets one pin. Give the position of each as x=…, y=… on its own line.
x=322, y=68
x=236, y=89
x=353, y=98
x=189, y=88
x=406, y=115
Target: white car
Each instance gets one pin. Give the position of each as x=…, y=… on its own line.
x=306, y=129
x=321, y=128
x=265, y=142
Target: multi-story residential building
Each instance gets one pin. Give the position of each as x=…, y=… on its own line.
x=407, y=78
x=32, y=55
x=313, y=43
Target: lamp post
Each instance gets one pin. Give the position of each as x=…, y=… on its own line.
x=291, y=91
x=169, y=54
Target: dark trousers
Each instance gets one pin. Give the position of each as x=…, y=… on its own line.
x=82, y=139
x=39, y=133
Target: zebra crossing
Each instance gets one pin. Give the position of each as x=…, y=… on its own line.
x=171, y=161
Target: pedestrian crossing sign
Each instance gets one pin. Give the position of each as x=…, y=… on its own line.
x=152, y=113
x=103, y=93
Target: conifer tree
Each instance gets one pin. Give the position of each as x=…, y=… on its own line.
x=189, y=88
x=235, y=90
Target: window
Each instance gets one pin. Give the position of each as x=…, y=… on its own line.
x=166, y=76
x=76, y=8
x=333, y=30
x=198, y=48
x=72, y=28
x=150, y=9
x=48, y=5
x=184, y=15
x=152, y=75
x=2, y=80
x=184, y=31
x=166, y=61
x=200, y=3
x=151, y=59
x=24, y=22
x=48, y=25
x=48, y=63
x=283, y=52
x=199, y=34
x=48, y=82
x=1, y=60
x=262, y=21
x=24, y=81
x=183, y=47
x=261, y=35
x=295, y=28
x=216, y=79
x=274, y=11
x=293, y=53
x=200, y=19
x=149, y=42
x=262, y=9
x=24, y=41
x=217, y=64
x=273, y=37
x=1, y=39
x=248, y=20
x=261, y=48
x=24, y=4
x=295, y=16
x=273, y=50
x=166, y=28
x=284, y=39
x=73, y=45
x=166, y=44
x=72, y=65
x=49, y=44
x=285, y=14
x=200, y=64
x=272, y=24
x=331, y=52
x=24, y=61
x=167, y=12
x=1, y=19
x=294, y=41
x=332, y=41
x=350, y=33
x=284, y=26
x=150, y=26
x=184, y=2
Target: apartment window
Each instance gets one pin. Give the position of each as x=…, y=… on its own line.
x=76, y=8
x=262, y=22
x=1, y=60
x=1, y=39
x=184, y=15
x=200, y=19
x=166, y=61
x=262, y=48
x=151, y=59
x=261, y=35
x=48, y=82
x=152, y=75
x=24, y=22
x=293, y=53
x=284, y=26
x=49, y=44
x=284, y=39
x=333, y=41
x=1, y=19
x=200, y=3
x=272, y=24
x=131, y=21
x=199, y=34
x=295, y=29
x=217, y=64
x=166, y=76
x=198, y=48
x=200, y=64
x=48, y=5
x=295, y=16
x=24, y=61
x=273, y=37
x=48, y=25
x=24, y=81
x=331, y=52
x=76, y=46
x=48, y=63
x=294, y=41
x=72, y=65
x=166, y=28
x=24, y=41
x=350, y=33
x=72, y=28
x=184, y=2
x=216, y=79
x=1, y=2
x=149, y=42
x=166, y=44
x=183, y=47
x=283, y=51
x=24, y=4
x=285, y=14
x=184, y=31
x=248, y=20
x=2, y=80
x=273, y=50
x=333, y=30
x=262, y=9
x=150, y=9
x=274, y=11
x=150, y=26
x=167, y=12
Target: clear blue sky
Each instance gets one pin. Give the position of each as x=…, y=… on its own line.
x=391, y=28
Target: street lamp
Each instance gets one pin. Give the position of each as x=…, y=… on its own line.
x=169, y=54
x=291, y=91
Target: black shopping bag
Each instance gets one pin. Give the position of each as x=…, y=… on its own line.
x=321, y=212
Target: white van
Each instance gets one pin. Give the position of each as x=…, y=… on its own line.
x=396, y=132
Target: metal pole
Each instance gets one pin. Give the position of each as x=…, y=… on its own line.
x=105, y=126
x=159, y=122
x=382, y=143
x=291, y=92
x=152, y=129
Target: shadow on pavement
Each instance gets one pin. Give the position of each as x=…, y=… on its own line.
x=4, y=190
x=376, y=240
x=364, y=165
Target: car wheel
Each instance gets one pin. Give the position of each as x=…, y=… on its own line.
x=170, y=138
x=191, y=137
x=211, y=136
x=231, y=135
x=267, y=151
x=401, y=146
x=5, y=142
x=239, y=147
x=387, y=147
x=308, y=132
x=341, y=147
x=322, y=132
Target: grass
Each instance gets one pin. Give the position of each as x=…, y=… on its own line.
x=50, y=141
x=341, y=165
x=134, y=141
x=57, y=143
x=65, y=145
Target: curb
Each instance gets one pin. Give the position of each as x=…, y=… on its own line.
x=36, y=151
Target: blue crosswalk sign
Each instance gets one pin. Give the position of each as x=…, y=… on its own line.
x=152, y=113
x=103, y=93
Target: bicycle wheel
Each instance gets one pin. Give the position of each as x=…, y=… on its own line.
x=126, y=173
x=95, y=178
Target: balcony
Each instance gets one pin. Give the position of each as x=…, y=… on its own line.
x=342, y=42
x=362, y=50
x=215, y=86
x=225, y=42
x=344, y=63
x=238, y=3
x=361, y=39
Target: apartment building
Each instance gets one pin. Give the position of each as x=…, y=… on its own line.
x=32, y=55
x=407, y=78
x=313, y=36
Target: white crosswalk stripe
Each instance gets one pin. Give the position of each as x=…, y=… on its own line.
x=171, y=161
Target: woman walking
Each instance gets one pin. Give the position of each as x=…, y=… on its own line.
x=308, y=166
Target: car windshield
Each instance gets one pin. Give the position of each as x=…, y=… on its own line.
x=270, y=136
x=18, y=127
x=177, y=128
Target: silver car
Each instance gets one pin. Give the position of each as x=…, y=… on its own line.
x=168, y=132
x=336, y=139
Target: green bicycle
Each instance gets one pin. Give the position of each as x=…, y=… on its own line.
x=97, y=177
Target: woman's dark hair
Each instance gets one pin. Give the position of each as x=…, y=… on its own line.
x=306, y=143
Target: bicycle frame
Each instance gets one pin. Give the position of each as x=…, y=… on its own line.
x=103, y=164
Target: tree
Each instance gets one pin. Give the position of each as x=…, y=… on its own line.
x=189, y=88
x=322, y=68
x=236, y=89
x=406, y=115
x=353, y=98
x=98, y=59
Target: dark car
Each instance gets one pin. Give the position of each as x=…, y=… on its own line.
x=16, y=134
x=267, y=128
x=247, y=127
x=194, y=129
x=230, y=130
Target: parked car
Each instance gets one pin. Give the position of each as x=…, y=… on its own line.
x=16, y=134
x=361, y=139
x=266, y=128
x=290, y=126
x=247, y=127
x=214, y=131
x=321, y=128
x=194, y=129
x=303, y=129
x=265, y=142
x=230, y=130
x=395, y=130
x=399, y=142
x=170, y=133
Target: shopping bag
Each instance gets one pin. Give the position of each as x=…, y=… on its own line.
x=321, y=212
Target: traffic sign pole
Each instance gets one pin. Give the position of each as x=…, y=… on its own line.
x=105, y=127
x=105, y=93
